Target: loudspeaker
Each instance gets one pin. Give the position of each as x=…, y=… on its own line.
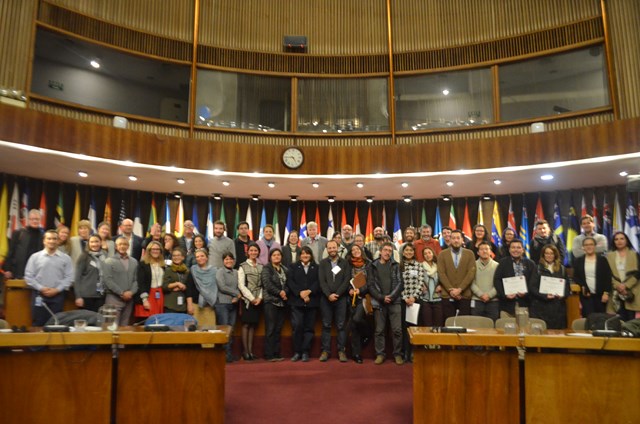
x=294, y=44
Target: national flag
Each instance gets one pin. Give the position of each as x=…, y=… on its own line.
x=480, y=213
x=223, y=218
x=607, y=227
x=572, y=233
x=276, y=224
x=249, y=221
x=236, y=218
x=423, y=215
x=288, y=226
x=330, y=229
x=58, y=220
x=631, y=226
x=452, y=217
x=557, y=222
x=75, y=216
x=4, y=223
x=524, y=230
x=179, y=227
x=384, y=217
x=356, y=222
x=138, y=229
x=466, y=222
x=43, y=209
x=107, y=210
x=167, y=216
x=594, y=213
x=194, y=216
x=122, y=215
x=24, y=207
x=303, y=224
x=209, y=234
x=397, y=229
x=153, y=215
x=583, y=210
x=263, y=222
x=496, y=226
x=511, y=218
x=14, y=211
x=539, y=211
x=92, y=215
x=618, y=223
x=437, y=227
x=317, y=219
x=369, y=227
x=343, y=217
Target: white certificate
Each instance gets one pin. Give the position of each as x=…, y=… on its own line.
x=412, y=313
x=550, y=285
x=514, y=285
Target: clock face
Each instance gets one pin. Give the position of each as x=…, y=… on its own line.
x=292, y=158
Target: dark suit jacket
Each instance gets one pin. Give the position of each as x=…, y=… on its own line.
x=458, y=278
x=338, y=284
x=505, y=270
x=299, y=280
x=603, y=274
x=286, y=255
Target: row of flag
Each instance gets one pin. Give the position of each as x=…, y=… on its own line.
x=14, y=215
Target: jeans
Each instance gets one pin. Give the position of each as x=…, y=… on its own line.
x=333, y=311
x=393, y=314
x=226, y=314
x=489, y=309
x=39, y=314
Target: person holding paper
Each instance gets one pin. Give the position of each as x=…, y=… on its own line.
x=413, y=277
x=549, y=288
x=358, y=265
x=456, y=269
x=593, y=274
x=509, y=291
x=430, y=296
x=485, y=295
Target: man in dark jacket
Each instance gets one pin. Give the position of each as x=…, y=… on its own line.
x=385, y=285
x=515, y=265
x=24, y=243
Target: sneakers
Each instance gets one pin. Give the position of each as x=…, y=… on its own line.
x=399, y=360
x=342, y=357
x=379, y=360
x=324, y=356
x=296, y=357
x=305, y=357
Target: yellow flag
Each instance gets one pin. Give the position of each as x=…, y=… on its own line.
x=4, y=223
x=75, y=218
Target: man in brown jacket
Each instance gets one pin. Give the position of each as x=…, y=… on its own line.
x=456, y=271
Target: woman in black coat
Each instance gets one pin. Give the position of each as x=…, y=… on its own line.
x=546, y=306
x=593, y=274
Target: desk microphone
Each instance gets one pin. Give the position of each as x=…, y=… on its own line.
x=606, y=332
x=454, y=328
x=55, y=327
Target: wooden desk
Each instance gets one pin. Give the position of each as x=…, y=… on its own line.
x=17, y=303
x=592, y=385
x=161, y=377
x=465, y=386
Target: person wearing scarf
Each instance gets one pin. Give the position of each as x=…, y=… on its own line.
x=358, y=325
x=174, y=284
x=431, y=309
x=266, y=243
x=88, y=285
x=204, y=291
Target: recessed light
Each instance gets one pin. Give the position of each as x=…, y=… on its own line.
x=359, y=185
x=449, y=183
x=95, y=63
x=177, y=194
x=331, y=199
x=294, y=198
x=446, y=197
x=486, y=196
x=226, y=183
x=83, y=174
x=315, y=185
x=624, y=173
x=255, y=197
x=445, y=92
x=497, y=182
x=407, y=199
x=271, y=184
x=369, y=199
x=217, y=196
x=133, y=178
x=404, y=185
x=180, y=180
x=546, y=177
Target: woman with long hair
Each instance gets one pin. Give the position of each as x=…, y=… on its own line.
x=107, y=245
x=291, y=250
x=251, y=289
x=431, y=301
x=358, y=324
x=507, y=236
x=276, y=295
x=480, y=234
x=199, y=242
x=547, y=305
x=414, y=281
x=174, y=284
x=593, y=274
x=169, y=242
x=228, y=297
x=88, y=285
x=624, y=263
x=64, y=244
x=204, y=293
x=150, y=298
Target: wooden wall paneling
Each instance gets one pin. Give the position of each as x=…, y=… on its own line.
x=16, y=42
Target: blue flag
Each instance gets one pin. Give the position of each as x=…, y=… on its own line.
x=288, y=226
x=209, y=234
x=524, y=231
x=437, y=229
x=559, y=228
x=607, y=228
x=397, y=230
x=263, y=222
x=631, y=226
x=194, y=216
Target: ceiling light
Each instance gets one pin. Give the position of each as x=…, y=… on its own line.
x=546, y=177
x=369, y=199
x=486, y=196
x=446, y=197
x=83, y=174
x=404, y=185
x=359, y=185
x=407, y=199
x=180, y=180
x=255, y=197
x=624, y=173
x=497, y=182
x=449, y=183
x=315, y=185
x=95, y=63
x=133, y=178
x=445, y=92
x=177, y=194
x=217, y=196
x=226, y=183
x=331, y=199
x=294, y=198
x=271, y=184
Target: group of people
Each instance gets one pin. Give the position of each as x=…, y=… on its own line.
x=344, y=279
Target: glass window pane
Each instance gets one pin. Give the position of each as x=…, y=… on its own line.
x=342, y=105
x=444, y=100
x=551, y=85
x=243, y=101
x=116, y=81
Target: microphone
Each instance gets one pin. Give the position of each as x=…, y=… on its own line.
x=606, y=332
x=55, y=327
x=454, y=328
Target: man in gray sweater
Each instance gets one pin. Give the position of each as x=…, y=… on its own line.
x=485, y=297
x=220, y=245
x=120, y=279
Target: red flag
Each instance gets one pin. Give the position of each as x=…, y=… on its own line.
x=343, y=218
x=583, y=212
x=318, y=218
x=594, y=212
x=466, y=222
x=369, y=230
x=452, y=218
x=511, y=218
x=356, y=223
x=303, y=224
x=539, y=213
x=107, y=210
x=43, y=210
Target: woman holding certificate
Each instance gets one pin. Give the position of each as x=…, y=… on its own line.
x=549, y=288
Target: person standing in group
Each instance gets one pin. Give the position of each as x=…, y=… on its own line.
x=204, y=289
x=481, y=235
x=276, y=295
x=169, y=242
x=150, y=297
x=385, y=285
x=78, y=244
x=135, y=242
x=228, y=298
x=304, y=301
x=588, y=230
x=430, y=297
x=121, y=281
x=108, y=246
x=266, y=243
x=456, y=270
x=24, y=243
x=593, y=274
x=347, y=238
x=414, y=280
x=219, y=245
x=199, y=242
x=48, y=273
x=291, y=250
x=358, y=325
x=315, y=241
x=624, y=264
x=88, y=285
x=549, y=307
x=424, y=241
x=64, y=244
x=515, y=265
x=241, y=242
x=507, y=237
x=542, y=237
x=187, y=238
x=175, y=285
x=155, y=234
x=485, y=296
x=251, y=290
x=334, y=283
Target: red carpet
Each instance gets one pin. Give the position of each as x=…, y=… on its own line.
x=316, y=392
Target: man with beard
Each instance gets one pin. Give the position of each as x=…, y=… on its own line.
x=426, y=240
x=514, y=265
x=219, y=245
x=347, y=237
x=456, y=270
x=379, y=238
x=242, y=243
x=544, y=236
